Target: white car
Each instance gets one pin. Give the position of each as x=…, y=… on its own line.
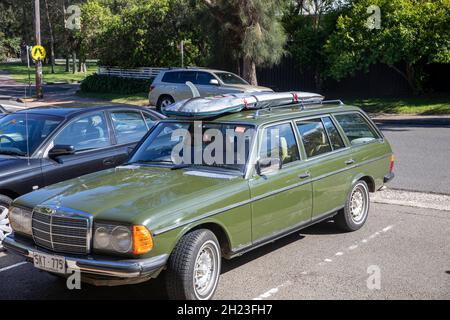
x=170, y=85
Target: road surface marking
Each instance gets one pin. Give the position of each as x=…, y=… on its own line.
x=2, y=254
x=353, y=247
x=272, y=291
x=339, y=253
x=328, y=260
x=12, y=266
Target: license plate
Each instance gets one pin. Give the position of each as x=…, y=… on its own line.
x=49, y=262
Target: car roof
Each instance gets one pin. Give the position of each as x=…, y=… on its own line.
x=68, y=112
x=263, y=116
x=195, y=69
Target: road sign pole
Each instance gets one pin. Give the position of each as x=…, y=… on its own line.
x=29, y=74
x=37, y=15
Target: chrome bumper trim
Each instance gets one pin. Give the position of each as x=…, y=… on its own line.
x=128, y=268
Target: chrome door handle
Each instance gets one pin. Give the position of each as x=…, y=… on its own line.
x=350, y=161
x=305, y=175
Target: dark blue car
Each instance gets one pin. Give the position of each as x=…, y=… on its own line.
x=42, y=146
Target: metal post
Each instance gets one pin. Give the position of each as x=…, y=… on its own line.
x=29, y=73
x=182, y=53
x=37, y=21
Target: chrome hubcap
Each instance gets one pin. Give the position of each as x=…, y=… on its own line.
x=206, y=269
x=358, y=204
x=5, y=227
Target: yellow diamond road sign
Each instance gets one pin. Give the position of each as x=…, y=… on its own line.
x=38, y=53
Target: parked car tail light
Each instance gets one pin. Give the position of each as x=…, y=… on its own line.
x=391, y=167
x=142, y=240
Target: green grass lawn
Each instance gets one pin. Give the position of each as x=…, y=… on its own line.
x=438, y=105
x=19, y=73
x=139, y=99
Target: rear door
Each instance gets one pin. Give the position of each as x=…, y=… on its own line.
x=329, y=162
x=129, y=126
x=370, y=154
x=94, y=151
x=283, y=199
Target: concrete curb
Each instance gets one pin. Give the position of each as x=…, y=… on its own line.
x=434, y=120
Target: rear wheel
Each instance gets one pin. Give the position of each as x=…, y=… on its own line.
x=356, y=209
x=194, y=267
x=163, y=102
x=5, y=227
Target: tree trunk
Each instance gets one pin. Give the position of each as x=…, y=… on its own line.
x=67, y=63
x=52, y=38
x=250, y=71
x=409, y=76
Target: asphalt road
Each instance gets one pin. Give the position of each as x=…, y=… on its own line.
x=24, y=91
x=422, y=156
x=406, y=247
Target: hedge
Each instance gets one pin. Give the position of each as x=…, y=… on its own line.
x=108, y=84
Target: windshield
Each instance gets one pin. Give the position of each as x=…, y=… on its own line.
x=229, y=78
x=197, y=144
x=14, y=131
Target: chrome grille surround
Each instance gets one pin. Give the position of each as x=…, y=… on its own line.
x=62, y=229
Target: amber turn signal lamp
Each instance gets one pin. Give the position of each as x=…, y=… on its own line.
x=142, y=240
x=391, y=167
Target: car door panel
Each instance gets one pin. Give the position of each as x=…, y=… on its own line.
x=281, y=201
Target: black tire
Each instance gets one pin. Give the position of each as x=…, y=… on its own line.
x=347, y=219
x=163, y=101
x=179, y=277
x=5, y=227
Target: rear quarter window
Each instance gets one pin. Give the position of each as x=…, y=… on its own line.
x=171, y=77
x=356, y=128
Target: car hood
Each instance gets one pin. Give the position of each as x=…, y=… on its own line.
x=247, y=88
x=140, y=195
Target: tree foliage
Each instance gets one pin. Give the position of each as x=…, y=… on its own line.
x=412, y=33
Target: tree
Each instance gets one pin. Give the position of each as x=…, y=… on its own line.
x=413, y=33
x=253, y=29
x=309, y=24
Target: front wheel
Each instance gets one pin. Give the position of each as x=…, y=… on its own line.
x=356, y=209
x=5, y=227
x=194, y=266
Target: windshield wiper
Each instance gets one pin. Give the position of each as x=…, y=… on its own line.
x=150, y=161
x=13, y=153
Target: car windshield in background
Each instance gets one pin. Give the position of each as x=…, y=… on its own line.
x=229, y=78
x=197, y=144
x=15, y=128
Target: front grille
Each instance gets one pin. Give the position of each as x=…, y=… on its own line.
x=54, y=230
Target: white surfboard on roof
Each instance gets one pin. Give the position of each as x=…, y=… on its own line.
x=211, y=106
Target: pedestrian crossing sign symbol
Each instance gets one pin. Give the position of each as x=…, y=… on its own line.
x=38, y=52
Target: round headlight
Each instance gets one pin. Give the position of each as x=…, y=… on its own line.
x=102, y=238
x=121, y=239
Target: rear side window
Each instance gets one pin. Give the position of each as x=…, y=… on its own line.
x=356, y=128
x=314, y=137
x=279, y=141
x=333, y=134
x=129, y=126
x=171, y=77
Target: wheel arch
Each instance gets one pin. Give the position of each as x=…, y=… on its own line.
x=215, y=227
x=367, y=179
x=9, y=193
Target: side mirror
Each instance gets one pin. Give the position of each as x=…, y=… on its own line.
x=268, y=165
x=61, y=150
x=214, y=82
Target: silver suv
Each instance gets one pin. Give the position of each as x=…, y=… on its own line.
x=170, y=85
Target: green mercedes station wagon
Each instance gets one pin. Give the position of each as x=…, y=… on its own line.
x=294, y=166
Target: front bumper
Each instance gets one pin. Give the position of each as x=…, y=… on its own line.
x=93, y=266
x=388, y=177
